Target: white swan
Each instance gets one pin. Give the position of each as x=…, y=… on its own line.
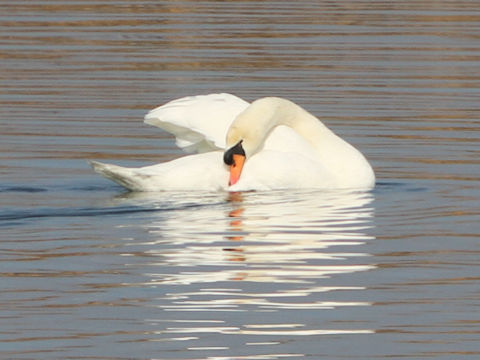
x=271, y=143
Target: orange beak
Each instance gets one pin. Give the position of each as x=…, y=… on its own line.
x=236, y=168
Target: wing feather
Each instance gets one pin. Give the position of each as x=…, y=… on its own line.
x=199, y=123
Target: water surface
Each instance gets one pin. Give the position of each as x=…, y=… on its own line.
x=89, y=271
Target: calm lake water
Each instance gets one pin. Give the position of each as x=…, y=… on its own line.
x=89, y=271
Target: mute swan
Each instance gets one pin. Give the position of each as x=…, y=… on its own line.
x=271, y=143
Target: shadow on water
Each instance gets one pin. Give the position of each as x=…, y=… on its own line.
x=114, y=207
x=126, y=202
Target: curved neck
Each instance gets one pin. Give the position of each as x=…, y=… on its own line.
x=256, y=122
x=272, y=111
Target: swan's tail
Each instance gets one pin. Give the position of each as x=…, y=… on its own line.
x=126, y=177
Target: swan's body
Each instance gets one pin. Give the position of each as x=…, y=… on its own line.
x=284, y=146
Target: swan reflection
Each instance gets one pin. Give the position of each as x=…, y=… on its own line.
x=277, y=237
x=249, y=253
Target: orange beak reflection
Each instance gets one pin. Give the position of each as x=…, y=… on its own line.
x=236, y=168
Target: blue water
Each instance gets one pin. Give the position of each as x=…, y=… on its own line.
x=90, y=271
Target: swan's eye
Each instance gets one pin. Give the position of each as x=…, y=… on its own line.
x=228, y=155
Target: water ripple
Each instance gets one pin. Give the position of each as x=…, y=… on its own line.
x=89, y=272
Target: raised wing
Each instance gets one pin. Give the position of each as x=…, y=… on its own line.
x=199, y=123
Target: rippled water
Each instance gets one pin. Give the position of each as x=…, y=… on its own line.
x=91, y=272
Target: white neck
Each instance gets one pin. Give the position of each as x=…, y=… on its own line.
x=254, y=125
x=263, y=115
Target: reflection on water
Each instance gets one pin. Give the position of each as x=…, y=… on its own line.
x=295, y=226
x=87, y=273
x=259, y=253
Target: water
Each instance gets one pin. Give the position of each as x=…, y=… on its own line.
x=91, y=272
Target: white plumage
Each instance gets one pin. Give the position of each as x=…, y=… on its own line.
x=285, y=146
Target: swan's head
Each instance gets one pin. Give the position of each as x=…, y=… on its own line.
x=246, y=136
x=235, y=158
x=241, y=144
